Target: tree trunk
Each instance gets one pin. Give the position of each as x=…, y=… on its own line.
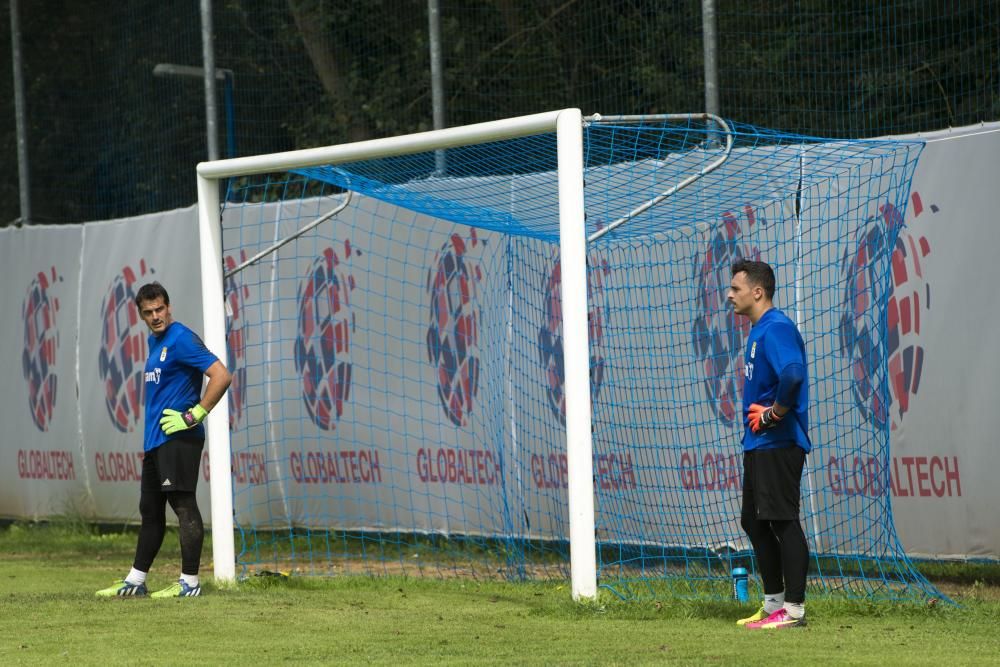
x=329, y=63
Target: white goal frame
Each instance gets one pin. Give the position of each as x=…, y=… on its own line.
x=568, y=126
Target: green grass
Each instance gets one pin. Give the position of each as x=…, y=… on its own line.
x=49, y=615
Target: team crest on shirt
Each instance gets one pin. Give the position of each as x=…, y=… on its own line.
x=753, y=350
x=163, y=353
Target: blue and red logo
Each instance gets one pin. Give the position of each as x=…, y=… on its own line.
x=719, y=334
x=453, y=334
x=123, y=350
x=550, y=335
x=908, y=298
x=323, y=344
x=236, y=294
x=41, y=342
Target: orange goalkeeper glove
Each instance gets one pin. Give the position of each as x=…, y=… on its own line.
x=762, y=418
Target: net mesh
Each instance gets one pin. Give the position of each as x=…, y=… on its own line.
x=399, y=399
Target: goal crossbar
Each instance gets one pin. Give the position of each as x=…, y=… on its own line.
x=466, y=135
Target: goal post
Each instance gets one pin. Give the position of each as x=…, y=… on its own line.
x=567, y=124
x=217, y=422
x=579, y=444
x=525, y=367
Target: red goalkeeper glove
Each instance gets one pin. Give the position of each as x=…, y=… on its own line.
x=762, y=418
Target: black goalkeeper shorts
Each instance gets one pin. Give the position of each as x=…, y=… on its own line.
x=772, y=481
x=173, y=466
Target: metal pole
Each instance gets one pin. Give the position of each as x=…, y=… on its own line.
x=576, y=353
x=711, y=41
x=23, y=179
x=437, y=79
x=208, y=54
x=229, y=83
x=680, y=185
x=217, y=423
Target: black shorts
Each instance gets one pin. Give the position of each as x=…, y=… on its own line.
x=772, y=481
x=173, y=466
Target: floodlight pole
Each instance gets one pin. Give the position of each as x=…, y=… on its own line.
x=210, y=75
x=710, y=37
x=24, y=180
x=437, y=80
x=208, y=56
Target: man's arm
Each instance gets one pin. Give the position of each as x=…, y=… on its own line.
x=763, y=417
x=784, y=352
x=219, y=379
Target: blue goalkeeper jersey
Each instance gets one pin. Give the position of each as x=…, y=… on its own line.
x=175, y=371
x=774, y=343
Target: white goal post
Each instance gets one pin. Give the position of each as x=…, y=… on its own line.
x=568, y=127
x=609, y=366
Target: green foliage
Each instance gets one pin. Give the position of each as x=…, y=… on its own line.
x=64, y=537
x=107, y=139
x=961, y=572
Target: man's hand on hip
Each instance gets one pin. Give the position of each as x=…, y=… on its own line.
x=762, y=418
x=174, y=421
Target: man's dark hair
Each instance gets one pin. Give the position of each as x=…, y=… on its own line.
x=151, y=292
x=759, y=274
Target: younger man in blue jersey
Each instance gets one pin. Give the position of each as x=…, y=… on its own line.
x=775, y=443
x=174, y=436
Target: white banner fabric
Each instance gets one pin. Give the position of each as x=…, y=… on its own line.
x=72, y=361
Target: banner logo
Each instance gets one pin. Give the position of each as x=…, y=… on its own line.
x=122, y=356
x=550, y=335
x=322, y=346
x=718, y=333
x=236, y=294
x=910, y=299
x=908, y=295
x=41, y=342
x=453, y=334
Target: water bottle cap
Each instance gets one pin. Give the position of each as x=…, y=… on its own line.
x=739, y=571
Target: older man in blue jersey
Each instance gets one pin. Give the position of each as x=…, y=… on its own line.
x=775, y=443
x=174, y=437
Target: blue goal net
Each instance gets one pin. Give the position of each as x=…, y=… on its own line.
x=395, y=332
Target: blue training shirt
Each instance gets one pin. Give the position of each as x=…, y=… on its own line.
x=175, y=371
x=774, y=343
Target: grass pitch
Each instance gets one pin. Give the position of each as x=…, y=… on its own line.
x=50, y=615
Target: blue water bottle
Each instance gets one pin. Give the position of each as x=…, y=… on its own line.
x=740, y=581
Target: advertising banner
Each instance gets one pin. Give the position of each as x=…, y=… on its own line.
x=943, y=360
x=117, y=259
x=43, y=470
x=394, y=371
